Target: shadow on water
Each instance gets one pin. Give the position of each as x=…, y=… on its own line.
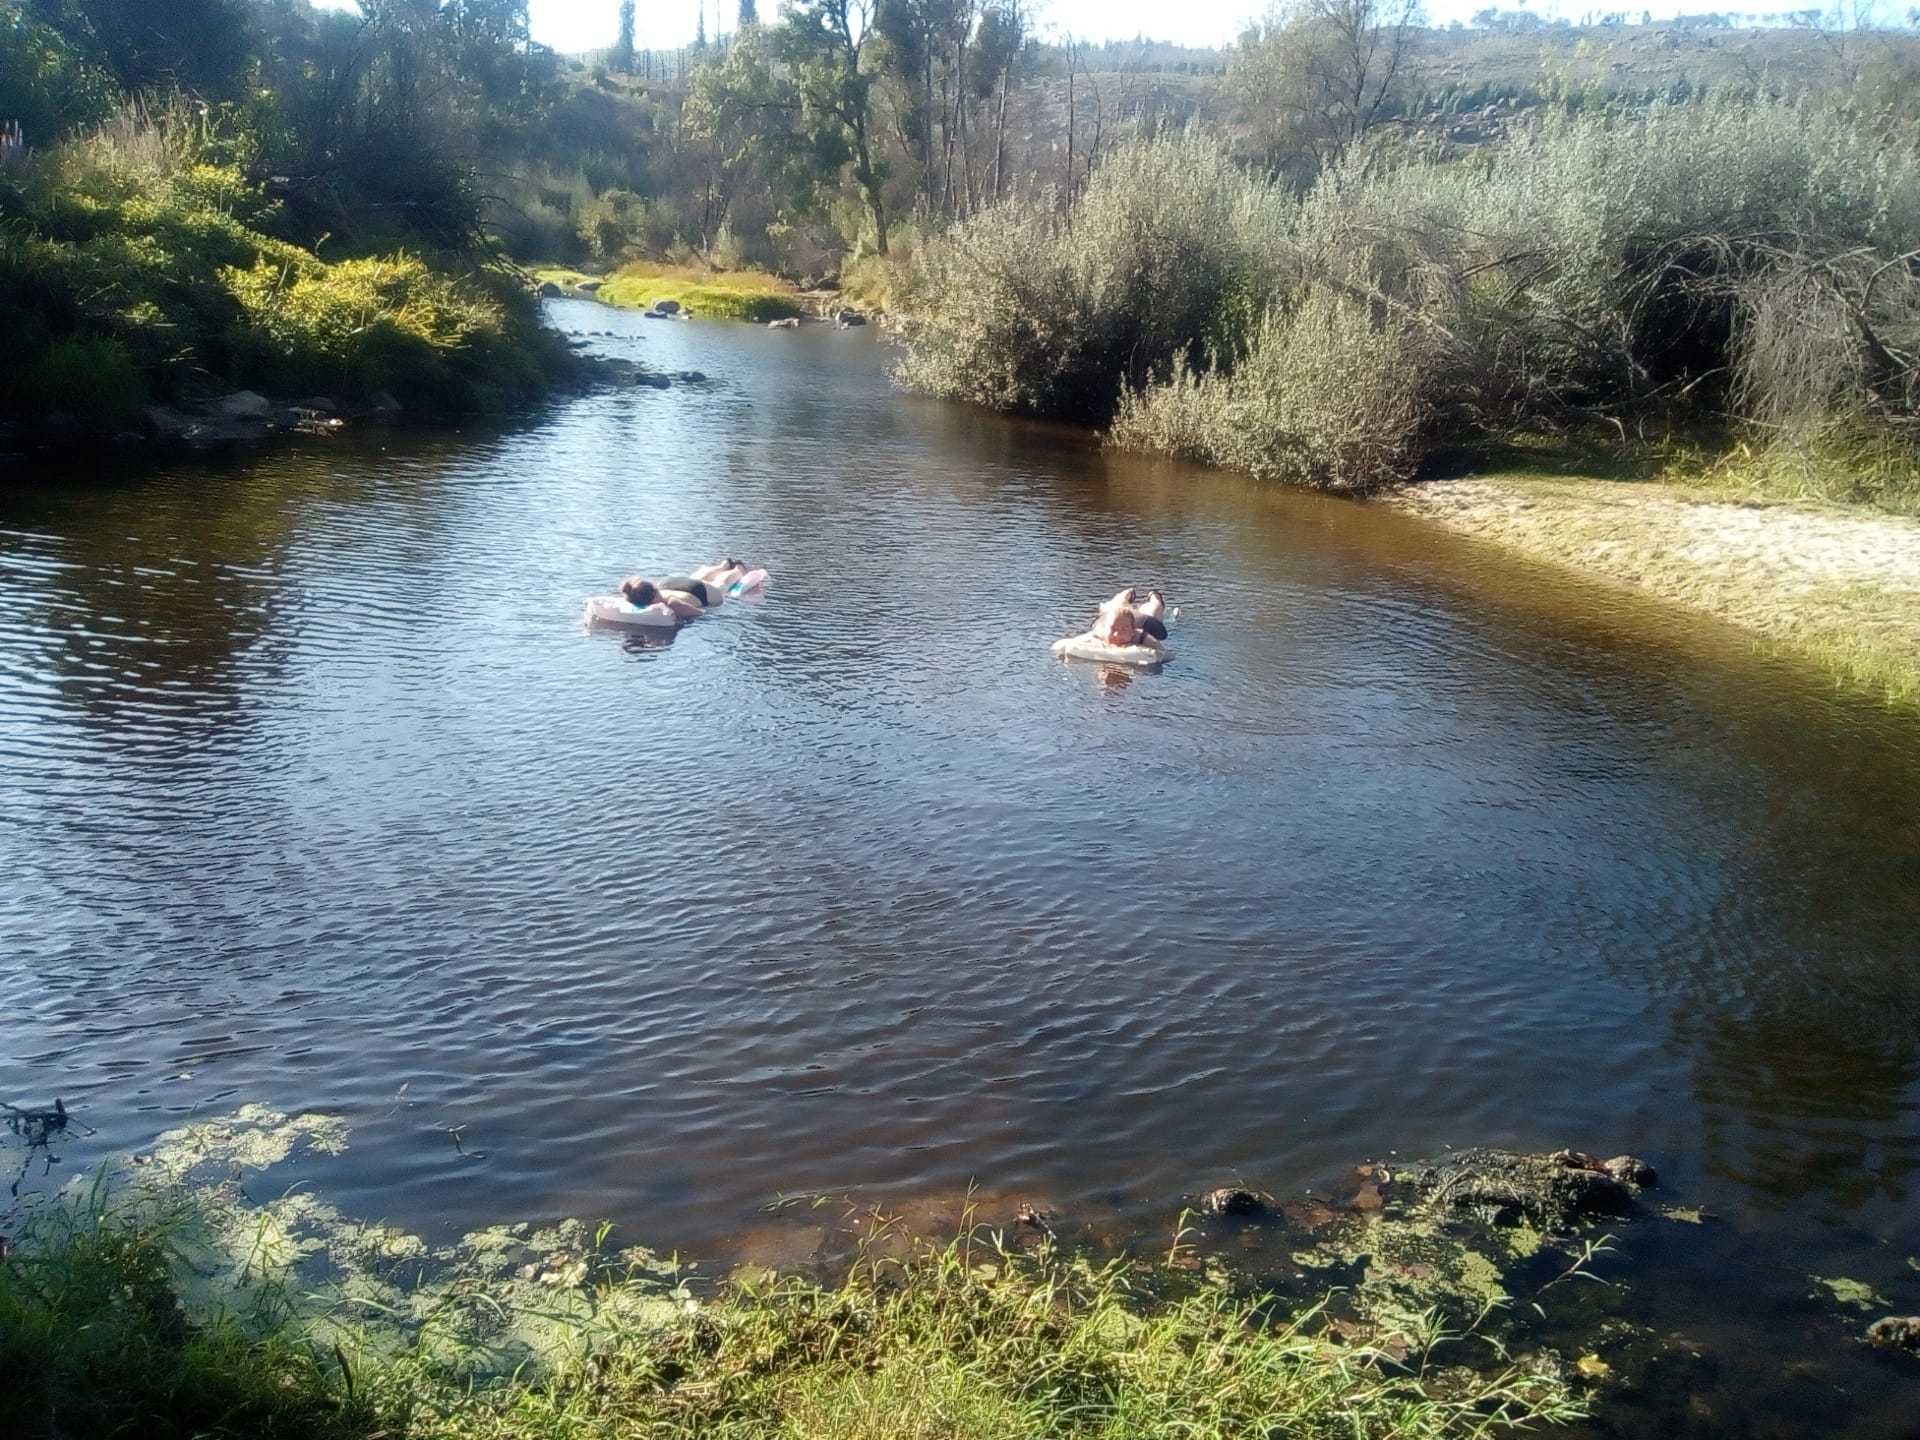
x=319, y=795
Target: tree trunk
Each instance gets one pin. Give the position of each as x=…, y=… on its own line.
x=1000, y=130
x=1071, y=62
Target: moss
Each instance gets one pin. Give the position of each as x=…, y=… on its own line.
x=717, y=294
x=1856, y=1294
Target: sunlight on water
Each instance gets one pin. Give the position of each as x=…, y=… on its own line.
x=318, y=796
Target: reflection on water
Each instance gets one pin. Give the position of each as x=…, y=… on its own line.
x=317, y=795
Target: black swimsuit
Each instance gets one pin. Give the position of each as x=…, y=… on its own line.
x=686, y=584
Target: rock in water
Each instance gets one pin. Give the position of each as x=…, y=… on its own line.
x=667, y=307
x=550, y=291
x=1630, y=1170
x=1230, y=1200
x=244, y=405
x=1550, y=1192
x=1896, y=1332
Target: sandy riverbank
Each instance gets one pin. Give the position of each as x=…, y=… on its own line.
x=1840, y=586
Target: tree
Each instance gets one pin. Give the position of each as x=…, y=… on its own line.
x=749, y=15
x=1003, y=33
x=1319, y=74
x=623, y=47
x=741, y=142
x=196, y=45
x=822, y=42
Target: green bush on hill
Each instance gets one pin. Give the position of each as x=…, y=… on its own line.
x=134, y=269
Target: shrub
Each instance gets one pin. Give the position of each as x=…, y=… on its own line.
x=92, y=379
x=1328, y=395
x=535, y=230
x=380, y=324
x=1737, y=254
x=1026, y=309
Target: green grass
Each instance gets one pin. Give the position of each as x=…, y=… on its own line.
x=967, y=1341
x=715, y=294
x=1878, y=471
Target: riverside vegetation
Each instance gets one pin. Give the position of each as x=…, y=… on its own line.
x=171, y=1306
x=222, y=195
x=1744, y=262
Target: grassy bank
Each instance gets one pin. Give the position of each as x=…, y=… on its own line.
x=969, y=1340
x=142, y=265
x=718, y=294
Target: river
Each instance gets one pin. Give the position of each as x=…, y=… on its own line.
x=316, y=794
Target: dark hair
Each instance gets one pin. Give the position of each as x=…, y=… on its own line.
x=639, y=592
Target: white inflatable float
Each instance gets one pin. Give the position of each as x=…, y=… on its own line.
x=1089, y=647
x=754, y=582
x=618, y=610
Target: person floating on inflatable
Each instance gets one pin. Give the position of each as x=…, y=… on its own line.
x=1127, y=631
x=1126, y=619
x=733, y=577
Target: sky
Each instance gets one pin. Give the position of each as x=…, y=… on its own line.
x=575, y=25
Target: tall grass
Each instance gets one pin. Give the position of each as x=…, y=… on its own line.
x=1738, y=258
x=967, y=1341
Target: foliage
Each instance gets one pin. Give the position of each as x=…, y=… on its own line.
x=1317, y=75
x=1024, y=309
x=135, y=265
x=93, y=1342
x=821, y=43
x=385, y=324
x=47, y=87
x=199, y=46
x=1742, y=256
x=963, y=1342
x=1324, y=395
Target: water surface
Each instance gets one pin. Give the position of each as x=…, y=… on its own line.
x=315, y=794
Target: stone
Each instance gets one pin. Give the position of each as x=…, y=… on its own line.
x=788, y=324
x=1552, y=1193
x=1630, y=1170
x=1896, y=1332
x=163, y=422
x=1230, y=1200
x=589, y=287
x=667, y=307
x=689, y=377
x=244, y=405
x=382, y=406
x=550, y=291
x=1033, y=1216
x=850, y=318
x=322, y=404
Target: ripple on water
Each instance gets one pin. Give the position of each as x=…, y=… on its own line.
x=316, y=794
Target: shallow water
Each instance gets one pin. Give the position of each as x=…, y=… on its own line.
x=316, y=794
